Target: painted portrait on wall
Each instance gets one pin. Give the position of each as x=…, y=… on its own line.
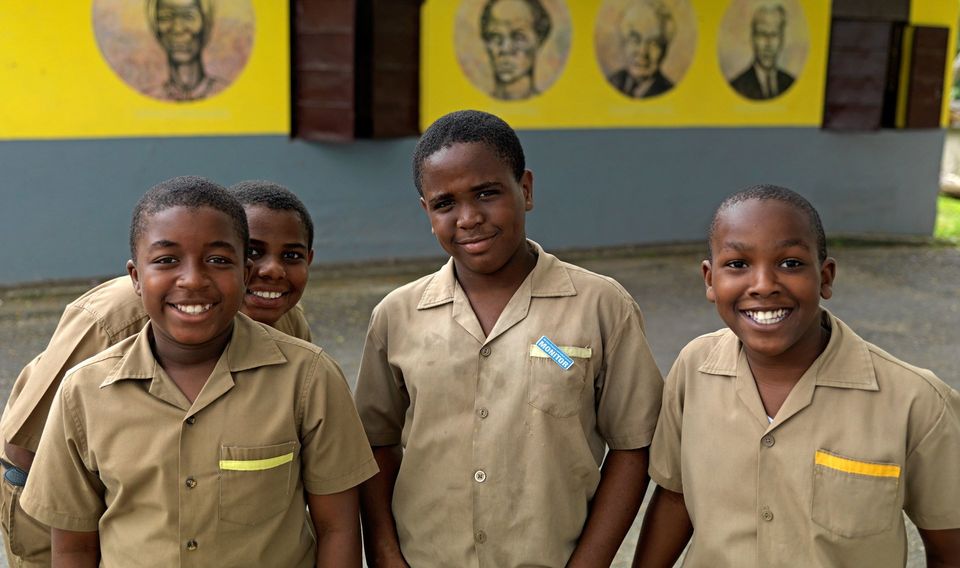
x=644, y=47
x=762, y=47
x=175, y=50
x=512, y=50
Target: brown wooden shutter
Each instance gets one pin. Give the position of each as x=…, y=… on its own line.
x=858, y=73
x=877, y=10
x=324, y=101
x=924, y=90
x=356, y=69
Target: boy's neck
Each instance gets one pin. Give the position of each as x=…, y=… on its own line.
x=489, y=294
x=189, y=366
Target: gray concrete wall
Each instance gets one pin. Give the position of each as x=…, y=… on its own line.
x=66, y=204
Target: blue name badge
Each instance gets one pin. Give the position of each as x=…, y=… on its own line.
x=555, y=353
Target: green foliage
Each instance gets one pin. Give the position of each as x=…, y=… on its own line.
x=948, y=219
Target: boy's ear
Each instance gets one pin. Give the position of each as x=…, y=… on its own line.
x=828, y=273
x=309, y=257
x=526, y=183
x=134, y=275
x=707, y=268
x=247, y=271
x=423, y=205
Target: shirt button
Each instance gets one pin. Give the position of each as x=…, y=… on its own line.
x=768, y=441
x=190, y=483
x=191, y=544
x=485, y=351
x=479, y=476
x=192, y=420
x=483, y=412
x=481, y=537
x=766, y=514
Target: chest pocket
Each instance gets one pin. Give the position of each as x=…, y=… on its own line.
x=552, y=389
x=854, y=498
x=256, y=481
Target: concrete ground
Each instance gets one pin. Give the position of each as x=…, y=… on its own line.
x=903, y=298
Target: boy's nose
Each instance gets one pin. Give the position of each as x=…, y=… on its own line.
x=764, y=282
x=469, y=217
x=271, y=268
x=193, y=275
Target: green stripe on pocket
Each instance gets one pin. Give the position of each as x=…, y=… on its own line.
x=255, y=465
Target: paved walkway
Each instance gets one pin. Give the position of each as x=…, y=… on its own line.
x=903, y=298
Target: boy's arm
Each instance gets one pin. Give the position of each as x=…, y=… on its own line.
x=623, y=482
x=376, y=497
x=335, y=519
x=72, y=549
x=665, y=532
x=943, y=547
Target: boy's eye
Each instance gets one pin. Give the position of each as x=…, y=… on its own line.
x=293, y=255
x=487, y=193
x=219, y=260
x=164, y=260
x=254, y=253
x=442, y=204
x=791, y=263
x=736, y=264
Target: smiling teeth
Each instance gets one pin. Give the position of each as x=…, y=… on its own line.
x=193, y=309
x=768, y=317
x=267, y=295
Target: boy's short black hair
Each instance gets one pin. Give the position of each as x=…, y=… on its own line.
x=468, y=126
x=274, y=196
x=192, y=192
x=766, y=191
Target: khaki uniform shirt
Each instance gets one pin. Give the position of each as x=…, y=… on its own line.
x=93, y=322
x=861, y=437
x=502, y=446
x=219, y=482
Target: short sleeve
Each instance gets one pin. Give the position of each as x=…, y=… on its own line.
x=294, y=323
x=381, y=397
x=665, y=462
x=79, y=335
x=932, y=499
x=631, y=386
x=335, y=453
x=62, y=491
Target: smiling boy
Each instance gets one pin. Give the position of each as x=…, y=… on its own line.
x=200, y=440
x=281, y=251
x=490, y=449
x=786, y=439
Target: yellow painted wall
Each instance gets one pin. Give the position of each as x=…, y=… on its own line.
x=56, y=83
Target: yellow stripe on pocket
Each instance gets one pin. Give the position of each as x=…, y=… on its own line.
x=576, y=352
x=255, y=465
x=845, y=465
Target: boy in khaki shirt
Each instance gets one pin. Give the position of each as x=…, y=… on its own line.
x=491, y=389
x=281, y=251
x=200, y=440
x=786, y=439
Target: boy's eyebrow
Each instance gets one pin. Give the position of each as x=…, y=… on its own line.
x=162, y=243
x=296, y=244
x=786, y=243
x=737, y=246
x=222, y=244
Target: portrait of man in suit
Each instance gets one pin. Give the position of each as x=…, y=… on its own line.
x=646, y=30
x=764, y=79
x=513, y=32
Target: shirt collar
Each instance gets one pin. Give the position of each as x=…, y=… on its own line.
x=249, y=347
x=844, y=363
x=548, y=279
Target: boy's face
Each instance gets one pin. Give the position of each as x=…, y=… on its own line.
x=281, y=263
x=476, y=207
x=766, y=280
x=190, y=270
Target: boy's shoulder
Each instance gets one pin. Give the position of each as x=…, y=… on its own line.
x=591, y=283
x=895, y=373
x=114, y=304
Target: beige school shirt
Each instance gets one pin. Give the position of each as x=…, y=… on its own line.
x=219, y=482
x=502, y=447
x=93, y=322
x=861, y=437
